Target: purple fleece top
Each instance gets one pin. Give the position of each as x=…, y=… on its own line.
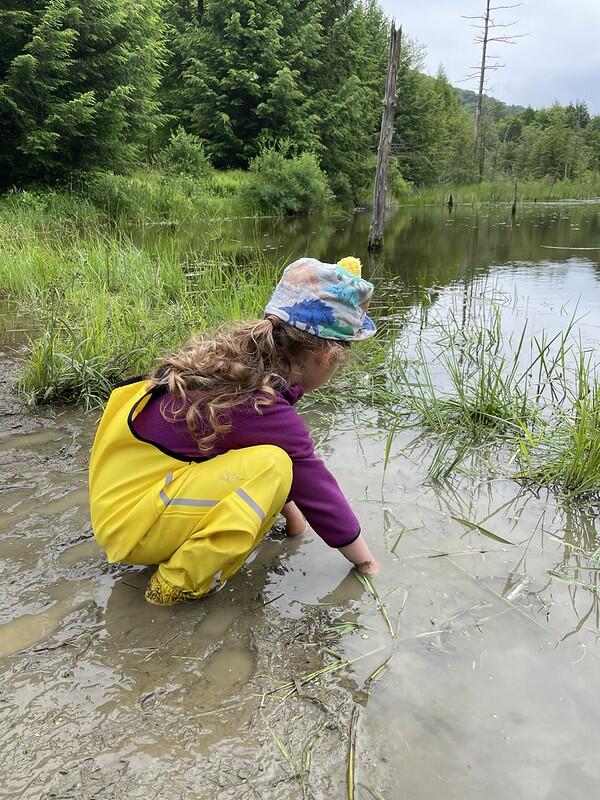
x=314, y=489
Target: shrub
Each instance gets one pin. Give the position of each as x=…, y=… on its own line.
x=117, y=196
x=282, y=183
x=184, y=155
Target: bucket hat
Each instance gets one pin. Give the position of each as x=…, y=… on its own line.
x=327, y=300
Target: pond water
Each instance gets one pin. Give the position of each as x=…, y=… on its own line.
x=490, y=663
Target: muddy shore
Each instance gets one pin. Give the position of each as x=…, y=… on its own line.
x=104, y=696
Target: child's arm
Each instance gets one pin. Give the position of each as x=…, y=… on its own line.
x=358, y=552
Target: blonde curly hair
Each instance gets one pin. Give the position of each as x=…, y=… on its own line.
x=236, y=365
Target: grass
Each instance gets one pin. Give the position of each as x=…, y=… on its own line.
x=151, y=197
x=141, y=198
x=528, y=399
x=566, y=454
x=107, y=308
x=501, y=191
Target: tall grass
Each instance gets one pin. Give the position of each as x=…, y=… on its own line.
x=565, y=451
x=107, y=308
x=501, y=191
x=104, y=199
x=153, y=197
x=533, y=400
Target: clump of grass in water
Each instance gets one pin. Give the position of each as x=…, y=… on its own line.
x=478, y=392
x=109, y=308
x=565, y=453
x=475, y=387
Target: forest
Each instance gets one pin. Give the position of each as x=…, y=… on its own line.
x=187, y=88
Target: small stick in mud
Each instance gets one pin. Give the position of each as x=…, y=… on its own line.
x=352, y=752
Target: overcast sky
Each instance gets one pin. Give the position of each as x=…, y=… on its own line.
x=558, y=61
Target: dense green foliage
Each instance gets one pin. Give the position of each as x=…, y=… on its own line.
x=120, y=84
x=286, y=185
x=184, y=154
x=562, y=142
x=78, y=85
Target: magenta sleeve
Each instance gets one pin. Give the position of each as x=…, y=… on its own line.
x=314, y=489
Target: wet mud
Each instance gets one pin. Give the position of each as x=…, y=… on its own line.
x=103, y=695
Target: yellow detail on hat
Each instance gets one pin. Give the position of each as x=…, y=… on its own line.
x=352, y=264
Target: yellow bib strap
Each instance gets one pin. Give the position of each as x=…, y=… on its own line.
x=126, y=474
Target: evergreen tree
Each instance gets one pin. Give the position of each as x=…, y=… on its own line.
x=349, y=93
x=233, y=62
x=309, y=72
x=79, y=89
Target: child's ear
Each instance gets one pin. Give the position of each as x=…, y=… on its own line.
x=323, y=357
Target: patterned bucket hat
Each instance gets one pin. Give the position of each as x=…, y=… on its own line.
x=327, y=300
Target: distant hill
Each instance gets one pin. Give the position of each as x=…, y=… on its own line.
x=496, y=108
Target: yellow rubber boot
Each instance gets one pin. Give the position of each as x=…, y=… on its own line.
x=160, y=593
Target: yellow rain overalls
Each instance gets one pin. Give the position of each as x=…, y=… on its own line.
x=198, y=520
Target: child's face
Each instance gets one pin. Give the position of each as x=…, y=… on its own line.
x=319, y=367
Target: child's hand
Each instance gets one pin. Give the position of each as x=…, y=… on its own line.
x=294, y=519
x=369, y=567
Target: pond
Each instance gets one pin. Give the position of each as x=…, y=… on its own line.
x=472, y=671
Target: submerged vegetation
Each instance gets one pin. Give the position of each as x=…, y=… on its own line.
x=521, y=398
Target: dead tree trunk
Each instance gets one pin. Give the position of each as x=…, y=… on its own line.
x=479, y=106
x=490, y=32
x=385, y=140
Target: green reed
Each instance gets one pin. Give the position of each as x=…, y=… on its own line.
x=530, y=400
x=502, y=191
x=107, y=308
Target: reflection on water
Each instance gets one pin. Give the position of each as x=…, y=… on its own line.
x=488, y=688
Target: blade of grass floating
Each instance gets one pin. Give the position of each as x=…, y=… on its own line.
x=563, y=576
x=572, y=546
x=340, y=628
x=284, y=751
x=370, y=587
x=475, y=527
x=497, y=594
x=400, y=535
x=397, y=542
x=311, y=676
x=463, y=553
x=352, y=752
x=331, y=652
x=375, y=795
x=376, y=674
x=307, y=752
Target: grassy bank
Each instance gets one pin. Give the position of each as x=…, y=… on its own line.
x=502, y=192
x=105, y=199
x=107, y=309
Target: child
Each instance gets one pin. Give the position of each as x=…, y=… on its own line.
x=191, y=468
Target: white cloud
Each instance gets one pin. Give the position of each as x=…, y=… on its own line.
x=559, y=59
